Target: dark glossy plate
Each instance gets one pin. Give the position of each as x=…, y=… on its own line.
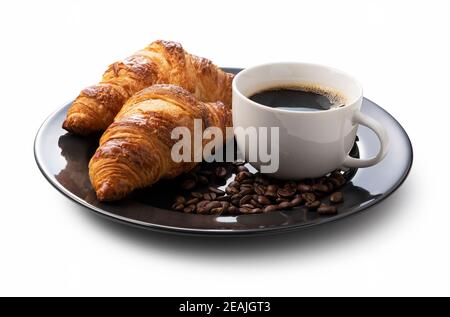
x=63, y=159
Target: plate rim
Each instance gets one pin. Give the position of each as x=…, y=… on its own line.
x=215, y=232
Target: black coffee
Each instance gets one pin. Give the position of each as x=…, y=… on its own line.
x=296, y=99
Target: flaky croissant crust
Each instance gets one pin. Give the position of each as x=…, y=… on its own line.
x=135, y=150
x=160, y=62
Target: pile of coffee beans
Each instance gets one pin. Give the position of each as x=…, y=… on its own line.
x=252, y=193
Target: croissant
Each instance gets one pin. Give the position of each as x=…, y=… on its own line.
x=161, y=62
x=135, y=150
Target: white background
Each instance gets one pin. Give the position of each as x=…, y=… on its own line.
x=399, y=50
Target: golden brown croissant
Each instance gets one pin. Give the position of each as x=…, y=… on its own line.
x=135, y=150
x=160, y=62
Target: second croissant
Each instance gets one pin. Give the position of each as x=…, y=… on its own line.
x=135, y=150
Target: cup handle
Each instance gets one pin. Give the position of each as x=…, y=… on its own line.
x=382, y=134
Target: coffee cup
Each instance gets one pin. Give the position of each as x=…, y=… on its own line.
x=310, y=144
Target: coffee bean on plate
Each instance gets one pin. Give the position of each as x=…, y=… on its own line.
x=234, y=184
x=189, y=209
x=213, y=204
x=270, y=208
x=241, y=168
x=296, y=201
x=313, y=205
x=246, y=191
x=231, y=190
x=180, y=200
x=327, y=210
x=309, y=197
x=216, y=191
x=209, y=196
x=196, y=195
x=263, y=200
x=178, y=206
x=320, y=188
x=285, y=205
x=243, y=175
x=223, y=198
x=259, y=189
x=285, y=192
x=192, y=201
x=245, y=200
x=336, y=197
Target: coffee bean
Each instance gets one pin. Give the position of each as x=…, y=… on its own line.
x=272, y=188
x=270, y=208
x=225, y=204
x=285, y=192
x=203, y=180
x=209, y=196
x=259, y=189
x=245, y=200
x=197, y=195
x=246, y=191
x=285, y=205
x=188, y=184
x=327, y=209
x=234, y=184
x=309, y=197
x=235, y=202
x=246, y=186
x=180, y=200
x=250, y=206
x=217, y=211
x=338, y=177
x=256, y=204
x=223, y=198
x=330, y=186
x=241, y=168
x=303, y=188
x=296, y=201
x=192, y=201
x=178, y=207
x=336, y=197
x=281, y=200
x=263, y=200
x=216, y=191
x=233, y=209
x=248, y=181
x=236, y=196
x=320, y=188
x=189, y=209
x=231, y=190
x=245, y=210
x=202, y=210
x=312, y=205
x=256, y=210
x=202, y=204
x=213, y=204
x=335, y=182
x=243, y=175
x=221, y=172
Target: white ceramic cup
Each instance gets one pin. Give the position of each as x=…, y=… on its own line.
x=311, y=144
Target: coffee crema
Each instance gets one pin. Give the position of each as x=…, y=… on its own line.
x=308, y=98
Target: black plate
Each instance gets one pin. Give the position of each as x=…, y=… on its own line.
x=63, y=159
